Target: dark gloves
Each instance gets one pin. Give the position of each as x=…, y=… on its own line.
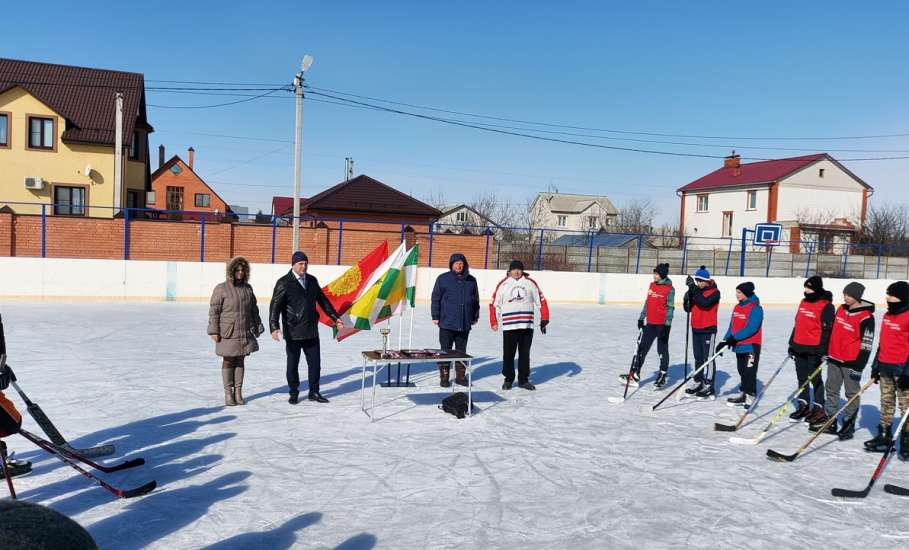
x=689, y=281
x=543, y=324
x=719, y=347
x=875, y=374
x=640, y=324
x=5, y=378
x=731, y=342
x=855, y=375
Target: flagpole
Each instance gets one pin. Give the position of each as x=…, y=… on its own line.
x=410, y=335
x=401, y=328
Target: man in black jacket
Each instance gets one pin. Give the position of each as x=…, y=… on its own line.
x=294, y=298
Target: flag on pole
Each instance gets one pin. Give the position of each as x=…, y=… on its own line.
x=343, y=291
x=364, y=312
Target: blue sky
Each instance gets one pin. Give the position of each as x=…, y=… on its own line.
x=770, y=69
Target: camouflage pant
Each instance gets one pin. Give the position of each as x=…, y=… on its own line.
x=889, y=394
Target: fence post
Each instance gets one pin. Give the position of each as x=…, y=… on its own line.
x=808, y=263
x=742, y=259
x=126, y=233
x=43, y=231
x=540, y=251
x=769, y=260
x=274, y=235
x=880, y=248
x=590, y=252
x=430, y=244
x=685, y=255
x=728, y=257
x=340, y=238
x=845, y=260
x=202, y=241
x=637, y=262
x=486, y=258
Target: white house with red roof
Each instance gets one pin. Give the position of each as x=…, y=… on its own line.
x=815, y=198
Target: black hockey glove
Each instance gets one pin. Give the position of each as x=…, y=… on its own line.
x=875, y=374
x=689, y=281
x=731, y=342
x=640, y=324
x=5, y=378
x=543, y=324
x=855, y=375
x=791, y=352
x=719, y=347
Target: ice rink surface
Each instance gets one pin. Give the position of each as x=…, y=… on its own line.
x=557, y=468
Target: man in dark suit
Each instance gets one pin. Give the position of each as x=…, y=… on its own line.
x=294, y=298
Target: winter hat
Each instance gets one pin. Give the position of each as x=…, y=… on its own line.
x=298, y=257
x=899, y=290
x=702, y=274
x=662, y=270
x=815, y=283
x=746, y=288
x=516, y=264
x=854, y=289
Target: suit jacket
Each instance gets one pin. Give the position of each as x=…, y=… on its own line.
x=296, y=307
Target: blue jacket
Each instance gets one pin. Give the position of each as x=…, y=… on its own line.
x=755, y=320
x=456, y=298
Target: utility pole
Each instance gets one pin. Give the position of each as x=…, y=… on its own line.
x=298, y=148
x=348, y=168
x=118, y=151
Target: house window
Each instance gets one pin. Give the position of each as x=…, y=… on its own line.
x=751, y=201
x=562, y=221
x=608, y=222
x=69, y=201
x=134, y=146
x=702, y=203
x=820, y=172
x=203, y=200
x=461, y=216
x=132, y=199
x=175, y=170
x=591, y=222
x=175, y=198
x=727, y=224
x=4, y=129
x=40, y=133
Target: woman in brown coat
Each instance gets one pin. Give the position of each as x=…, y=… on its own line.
x=234, y=325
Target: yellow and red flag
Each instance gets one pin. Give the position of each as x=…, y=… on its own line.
x=343, y=291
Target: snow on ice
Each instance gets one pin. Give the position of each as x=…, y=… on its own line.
x=558, y=468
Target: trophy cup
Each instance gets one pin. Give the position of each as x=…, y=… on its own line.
x=385, y=332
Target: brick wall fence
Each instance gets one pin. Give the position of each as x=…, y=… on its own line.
x=98, y=238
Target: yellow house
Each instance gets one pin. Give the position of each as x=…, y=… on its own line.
x=57, y=140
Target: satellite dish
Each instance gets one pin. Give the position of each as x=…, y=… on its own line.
x=88, y=170
x=307, y=63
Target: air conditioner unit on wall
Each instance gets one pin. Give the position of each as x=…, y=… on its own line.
x=34, y=183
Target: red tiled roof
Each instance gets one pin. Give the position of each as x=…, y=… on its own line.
x=754, y=173
x=174, y=160
x=282, y=206
x=84, y=97
x=367, y=195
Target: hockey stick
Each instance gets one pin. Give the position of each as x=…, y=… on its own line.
x=882, y=463
x=726, y=427
x=681, y=384
x=6, y=471
x=119, y=493
x=75, y=455
x=780, y=413
x=634, y=361
x=687, y=335
x=896, y=490
x=50, y=430
x=773, y=455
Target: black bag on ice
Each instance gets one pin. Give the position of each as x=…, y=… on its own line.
x=455, y=404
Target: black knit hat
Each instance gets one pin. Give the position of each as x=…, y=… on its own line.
x=662, y=270
x=899, y=290
x=854, y=289
x=298, y=257
x=516, y=264
x=746, y=288
x=815, y=283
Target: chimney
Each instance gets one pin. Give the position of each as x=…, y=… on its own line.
x=735, y=162
x=192, y=154
x=160, y=156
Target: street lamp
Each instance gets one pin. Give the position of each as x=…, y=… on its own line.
x=298, y=147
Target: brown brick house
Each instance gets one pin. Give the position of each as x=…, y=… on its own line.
x=177, y=187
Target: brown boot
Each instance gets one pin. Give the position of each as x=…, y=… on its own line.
x=238, y=385
x=227, y=378
x=444, y=373
x=460, y=374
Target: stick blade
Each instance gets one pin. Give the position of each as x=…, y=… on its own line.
x=717, y=427
x=896, y=490
x=743, y=441
x=779, y=457
x=93, y=452
x=846, y=493
x=139, y=491
x=616, y=399
x=127, y=465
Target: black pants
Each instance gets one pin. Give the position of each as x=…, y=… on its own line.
x=660, y=333
x=310, y=348
x=453, y=338
x=804, y=366
x=702, y=344
x=748, y=366
x=519, y=341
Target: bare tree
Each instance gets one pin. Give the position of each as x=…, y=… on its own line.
x=887, y=224
x=636, y=216
x=436, y=199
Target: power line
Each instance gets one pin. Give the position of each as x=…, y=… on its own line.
x=253, y=98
